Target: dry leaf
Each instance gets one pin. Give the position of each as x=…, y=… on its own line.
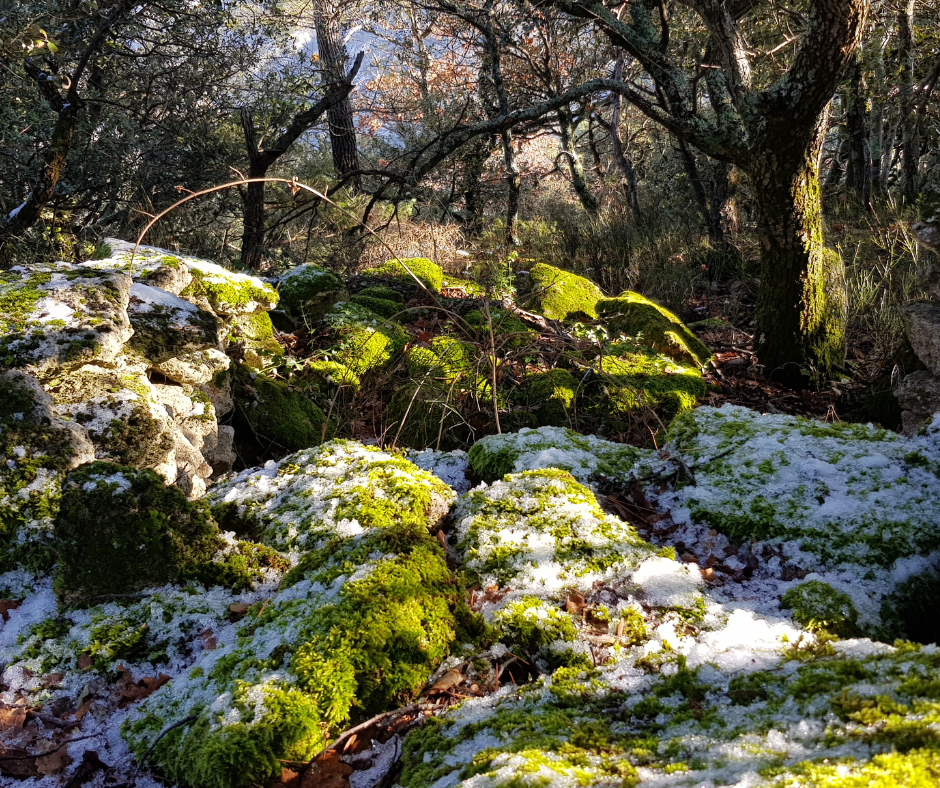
x=328, y=771
x=6, y=605
x=574, y=603
x=446, y=682
x=12, y=717
x=288, y=776
x=84, y=662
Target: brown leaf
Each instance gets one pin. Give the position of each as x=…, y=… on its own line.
x=574, y=603
x=328, y=771
x=53, y=763
x=239, y=609
x=288, y=776
x=449, y=680
x=208, y=640
x=82, y=710
x=6, y=605
x=12, y=717
x=52, y=679
x=84, y=662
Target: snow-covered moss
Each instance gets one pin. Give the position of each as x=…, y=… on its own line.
x=166, y=326
x=36, y=450
x=562, y=295
x=356, y=628
x=334, y=491
x=428, y=272
x=540, y=533
x=309, y=291
x=861, y=714
x=366, y=341
x=842, y=498
x=637, y=316
x=586, y=457
x=228, y=292
x=54, y=316
x=819, y=607
x=120, y=530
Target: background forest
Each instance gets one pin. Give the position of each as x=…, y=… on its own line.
x=625, y=141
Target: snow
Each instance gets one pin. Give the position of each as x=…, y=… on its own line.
x=144, y=298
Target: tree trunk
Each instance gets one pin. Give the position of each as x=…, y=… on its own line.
x=575, y=167
x=623, y=162
x=332, y=55
x=475, y=159
x=723, y=206
x=513, y=183
x=253, y=220
x=909, y=136
x=858, y=168
x=801, y=304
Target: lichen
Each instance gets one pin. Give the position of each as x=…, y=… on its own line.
x=637, y=316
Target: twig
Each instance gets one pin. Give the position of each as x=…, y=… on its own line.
x=164, y=732
x=47, y=752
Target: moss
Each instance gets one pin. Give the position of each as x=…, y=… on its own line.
x=309, y=291
x=428, y=414
x=637, y=316
x=19, y=299
x=164, y=332
x=138, y=440
x=321, y=372
x=532, y=628
x=241, y=566
x=818, y=606
x=228, y=292
x=254, y=328
x=366, y=341
x=383, y=292
x=381, y=306
x=428, y=273
x=916, y=769
x=279, y=414
x=910, y=610
x=552, y=394
x=120, y=530
x=562, y=295
x=509, y=331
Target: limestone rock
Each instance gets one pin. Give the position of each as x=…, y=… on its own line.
x=195, y=368
x=922, y=326
x=172, y=278
x=927, y=233
x=919, y=397
x=166, y=326
x=57, y=316
x=37, y=449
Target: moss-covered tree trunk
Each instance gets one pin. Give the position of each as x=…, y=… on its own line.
x=800, y=307
x=575, y=166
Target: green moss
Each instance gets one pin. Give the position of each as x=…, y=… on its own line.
x=254, y=328
x=915, y=769
x=381, y=306
x=383, y=292
x=637, y=316
x=532, y=628
x=138, y=440
x=230, y=293
x=309, y=291
x=163, y=332
x=366, y=341
x=508, y=330
x=241, y=566
x=910, y=611
x=321, y=372
x=552, y=394
x=428, y=414
x=279, y=413
x=120, y=530
x=818, y=606
x=562, y=295
x=18, y=299
x=428, y=273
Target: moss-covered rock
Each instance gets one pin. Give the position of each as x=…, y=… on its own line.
x=653, y=325
x=586, y=457
x=120, y=530
x=383, y=292
x=36, y=451
x=385, y=307
x=324, y=372
x=356, y=628
x=278, y=416
x=552, y=394
x=309, y=291
x=54, y=317
x=446, y=358
x=366, y=341
x=562, y=295
x=430, y=274
x=836, y=497
x=338, y=488
x=166, y=326
x=255, y=335
x=508, y=330
x=634, y=381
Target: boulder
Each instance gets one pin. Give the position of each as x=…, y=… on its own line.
x=355, y=629
x=561, y=295
x=195, y=368
x=366, y=342
x=922, y=326
x=652, y=325
x=309, y=291
x=55, y=317
x=120, y=530
x=919, y=397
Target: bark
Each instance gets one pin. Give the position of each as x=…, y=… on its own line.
x=710, y=218
x=910, y=143
x=723, y=205
x=800, y=307
x=575, y=167
x=333, y=58
x=476, y=158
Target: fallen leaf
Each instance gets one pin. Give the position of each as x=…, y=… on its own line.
x=328, y=771
x=287, y=775
x=53, y=763
x=52, y=679
x=449, y=680
x=6, y=605
x=84, y=662
x=208, y=640
x=12, y=717
x=239, y=609
x=574, y=603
